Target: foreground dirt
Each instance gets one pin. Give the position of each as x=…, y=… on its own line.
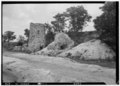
x=20, y=67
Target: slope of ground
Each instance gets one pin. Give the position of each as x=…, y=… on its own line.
x=30, y=68
x=93, y=49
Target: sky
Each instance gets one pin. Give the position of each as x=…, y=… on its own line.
x=17, y=17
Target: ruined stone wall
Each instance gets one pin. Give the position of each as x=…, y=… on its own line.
x=61, y=43
x=81, y=37
x=36, y=37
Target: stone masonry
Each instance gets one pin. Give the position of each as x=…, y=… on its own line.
x=36, y=37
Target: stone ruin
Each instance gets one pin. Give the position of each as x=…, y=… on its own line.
x=36, y=37
x=61, y=43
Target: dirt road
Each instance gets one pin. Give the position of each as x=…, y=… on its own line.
x=21, y=67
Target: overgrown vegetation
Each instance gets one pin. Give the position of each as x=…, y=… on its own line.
x=26, y=33
x=9, y=46
x=106, y=24
x=7, y=37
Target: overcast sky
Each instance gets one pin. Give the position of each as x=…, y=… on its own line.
x=17, y=17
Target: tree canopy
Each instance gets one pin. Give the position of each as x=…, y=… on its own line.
x=8, y=36
x=27, y=32
x=21, y=40
x=76, y=17
x=106, y=24
x=59, y=22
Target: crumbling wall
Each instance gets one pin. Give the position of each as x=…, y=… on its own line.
x=81, y=37
x=61, y=43
x=36, y=37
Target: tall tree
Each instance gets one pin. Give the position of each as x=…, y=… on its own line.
x=78, y=17
x=106, y=24
x=59, y=22
x=48, y=27
x=8, y=36
x=27, y=32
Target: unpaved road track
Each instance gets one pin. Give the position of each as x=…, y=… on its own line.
x=21, y=67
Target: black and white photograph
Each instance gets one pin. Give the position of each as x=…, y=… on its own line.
x=59, y=42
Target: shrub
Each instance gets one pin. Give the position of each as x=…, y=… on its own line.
x=9, y=46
